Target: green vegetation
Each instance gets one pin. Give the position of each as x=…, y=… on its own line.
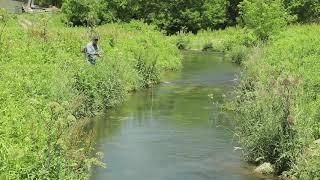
x=57, y=3
x=48, y=92
x=278, y=103
x=304, y=10
x=258, y=21
x=265, y=16
x=171, y=16
x=231, y=41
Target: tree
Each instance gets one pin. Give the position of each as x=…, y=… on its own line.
x=233, y=11
x=304, y=10
x=263, y=17
x=86, y=12
x=169, y=15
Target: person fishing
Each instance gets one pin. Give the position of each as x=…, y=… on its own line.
x=92, y=50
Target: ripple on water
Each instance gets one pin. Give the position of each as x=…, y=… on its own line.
x=170, y=132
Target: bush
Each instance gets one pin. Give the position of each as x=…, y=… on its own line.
x=304, y=10
x=171, y=16
x=277, y=102
x=308, y=165
x=220, y=40
x=234, y=42
x=182, y=41
x=207, y=47
x=263, y=17
x=86, y=12
x=56, y=3
x=238, y=54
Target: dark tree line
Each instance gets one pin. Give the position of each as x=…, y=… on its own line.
x=174, y=15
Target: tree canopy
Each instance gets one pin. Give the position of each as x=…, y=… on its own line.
x=182, y=15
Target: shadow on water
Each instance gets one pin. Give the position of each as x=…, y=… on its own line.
x=170, y=132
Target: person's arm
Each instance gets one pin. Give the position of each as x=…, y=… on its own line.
x=99, y=51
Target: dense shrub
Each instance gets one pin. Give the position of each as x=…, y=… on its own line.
x=304, y=10
x=48, y=91
x=207, y=47
x=56, y=3
x=86, y=12
x=308, y=165
x=238, y=54
x=233, y=12
x=263, y=17
x=278, y=102
x=220, y=40
x=171, y=16
x=234, y=42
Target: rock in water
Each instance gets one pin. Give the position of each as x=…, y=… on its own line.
x=265, y=168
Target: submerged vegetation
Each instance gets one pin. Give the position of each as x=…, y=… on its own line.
x=48, y=92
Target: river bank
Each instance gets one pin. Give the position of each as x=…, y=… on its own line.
x=277, y=100
x=278, y=103
x=48, y=91
x=172, y=130
x=234, y=42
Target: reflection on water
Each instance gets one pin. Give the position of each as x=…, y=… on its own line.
x=170, y=132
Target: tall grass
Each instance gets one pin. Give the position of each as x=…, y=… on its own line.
x=278, y=103
x=47, y=91
x=233, y=41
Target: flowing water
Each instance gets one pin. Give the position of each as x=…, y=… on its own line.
x=11, y=5
x=174, y=131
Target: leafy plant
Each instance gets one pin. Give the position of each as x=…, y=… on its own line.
x=263, y=17
x=277, y=102
x=238, y=54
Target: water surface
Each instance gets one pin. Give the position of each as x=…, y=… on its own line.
x=174, y=131
x=10, y=5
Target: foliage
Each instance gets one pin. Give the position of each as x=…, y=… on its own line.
x=304, y=10
x=56, y=3
x=308, y=165
x=232, y=41
x=47, y=96
x=207, y=47
x=238, y=54
x=233, y=12
x=263, y=17
x=278, y=101
x=86, y=12
x=171, y=16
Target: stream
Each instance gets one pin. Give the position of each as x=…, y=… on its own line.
x=11, y=5
x=174, y=131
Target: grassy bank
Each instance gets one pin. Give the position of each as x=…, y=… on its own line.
x=278, y=103
x=48, y=92
x=234, y=42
